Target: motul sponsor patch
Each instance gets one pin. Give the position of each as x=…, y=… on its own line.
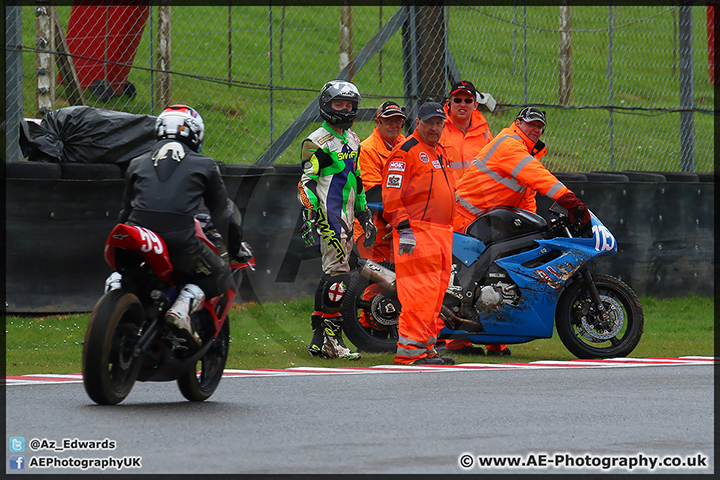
x=396, y=166
x=394, y=181
x=424, y=157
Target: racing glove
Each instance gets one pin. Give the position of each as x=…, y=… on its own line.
x=365, y=219
x=308, y=228
x=577, y=211
x=406, y=241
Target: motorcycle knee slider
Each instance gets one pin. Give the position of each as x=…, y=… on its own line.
x=333, y=291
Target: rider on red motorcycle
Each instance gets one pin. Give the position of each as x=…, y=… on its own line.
x=164, y=189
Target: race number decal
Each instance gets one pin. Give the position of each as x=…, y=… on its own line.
x=152, y=242
x=604, y=240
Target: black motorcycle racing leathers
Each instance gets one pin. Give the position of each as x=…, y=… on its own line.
x=164, y=189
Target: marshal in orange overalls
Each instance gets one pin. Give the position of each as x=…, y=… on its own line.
x=419, y=192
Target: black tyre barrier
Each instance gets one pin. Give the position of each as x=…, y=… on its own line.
x=289, y=169
x=570, y=177
x=664, y=232
x=639, y=176
x=606, y=177
x=222, y=167
x=234, y=169
x=706, y=177
x=89, y=171
x=33, y=170
x=681, y=176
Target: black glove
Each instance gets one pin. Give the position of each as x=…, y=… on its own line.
x=577, y=211
x=365, y=219
x=308, y=229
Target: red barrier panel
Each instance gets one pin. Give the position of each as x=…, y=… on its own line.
x=107, y=37
x=711, y=42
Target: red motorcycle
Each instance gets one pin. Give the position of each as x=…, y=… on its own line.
x=127, y=339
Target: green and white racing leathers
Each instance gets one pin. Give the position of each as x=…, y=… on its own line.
x=331, y=186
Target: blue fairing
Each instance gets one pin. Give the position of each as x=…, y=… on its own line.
x=548, y=268
x=467, y=249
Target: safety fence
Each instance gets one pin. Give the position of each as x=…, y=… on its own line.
x=625, y=87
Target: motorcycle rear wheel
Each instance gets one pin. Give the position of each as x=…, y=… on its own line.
x=109, y=368
x=364, y=338
x=200, y=382
x=583, y=330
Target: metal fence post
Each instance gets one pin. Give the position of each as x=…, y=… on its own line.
x=13, y=83
x=525, y=83
x=687, y=90
x=272, y=78
x=611, y=28
x=410, y=66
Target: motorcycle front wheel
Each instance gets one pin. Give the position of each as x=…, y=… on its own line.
x=379, y=309
x=200, y=382
x=589, y=333
x=109, y=368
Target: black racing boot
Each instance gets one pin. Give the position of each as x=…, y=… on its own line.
x=333, y=346
x=316, y=344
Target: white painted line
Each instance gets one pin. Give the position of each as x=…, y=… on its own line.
x=48, y=379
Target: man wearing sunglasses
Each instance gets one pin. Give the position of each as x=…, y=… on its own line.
x=466, y=132
x=466, y=129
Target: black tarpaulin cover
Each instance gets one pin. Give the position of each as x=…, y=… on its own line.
x=87, y=135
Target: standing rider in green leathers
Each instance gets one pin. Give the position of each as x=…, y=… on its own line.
x=332, y=195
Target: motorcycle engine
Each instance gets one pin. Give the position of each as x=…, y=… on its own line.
x=490, y=297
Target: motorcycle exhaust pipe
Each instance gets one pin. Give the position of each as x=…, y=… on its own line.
x=454, y=322
x=386, y=278
x=377, y=273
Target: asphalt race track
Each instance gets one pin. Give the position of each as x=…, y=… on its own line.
x=549, y=418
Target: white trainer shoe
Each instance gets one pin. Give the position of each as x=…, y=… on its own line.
x=178, y=317
x=113, y=282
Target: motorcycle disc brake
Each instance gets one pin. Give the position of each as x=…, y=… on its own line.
x=595, y=328
x=385, y=311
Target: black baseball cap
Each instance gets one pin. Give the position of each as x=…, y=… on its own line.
x=429, y=110
x=531, y=114
x=390, y=109
x=463, y=86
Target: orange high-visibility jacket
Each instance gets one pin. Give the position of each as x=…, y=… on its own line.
x=507, y=172
x=463, y=147
x=374, y=153
x=418, y=184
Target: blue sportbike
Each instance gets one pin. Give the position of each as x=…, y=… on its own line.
x=514, y=276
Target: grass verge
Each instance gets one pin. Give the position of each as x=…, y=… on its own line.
x=275, y=335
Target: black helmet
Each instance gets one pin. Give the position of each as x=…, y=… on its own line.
x=339, y=90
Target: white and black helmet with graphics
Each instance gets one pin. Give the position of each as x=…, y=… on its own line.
x=183, y=123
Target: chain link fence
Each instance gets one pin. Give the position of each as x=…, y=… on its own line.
x=624, y=87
